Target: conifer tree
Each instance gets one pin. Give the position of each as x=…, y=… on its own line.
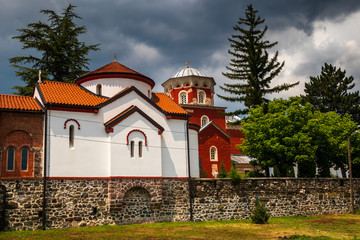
x=62, y=56
x=251, y=66
x=330, y=92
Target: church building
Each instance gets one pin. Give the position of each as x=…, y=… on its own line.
x=110, y=124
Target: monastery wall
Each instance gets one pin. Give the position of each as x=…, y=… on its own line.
x=92, y=202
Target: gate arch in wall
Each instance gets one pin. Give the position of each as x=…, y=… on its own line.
x=118, y=188
x=137, y=206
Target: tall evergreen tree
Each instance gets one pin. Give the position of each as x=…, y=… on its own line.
x=330, y=92
x=250, y=65
x=62, y=56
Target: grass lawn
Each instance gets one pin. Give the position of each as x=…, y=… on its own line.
x=344, y=226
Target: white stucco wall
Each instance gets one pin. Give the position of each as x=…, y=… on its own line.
x=100, y=154
x=89, y=157
x=194, y=154
x=122, y=164
x=112, y=86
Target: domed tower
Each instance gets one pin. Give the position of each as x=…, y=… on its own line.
x=190, y=86
x=194, y=92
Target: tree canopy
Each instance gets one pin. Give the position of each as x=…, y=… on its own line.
x=63, y=57
x=330, y=91
x=290, y=134
x=250, y=65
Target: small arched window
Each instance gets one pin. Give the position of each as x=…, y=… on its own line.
x=183, y=97
x=98, y=89
x=10, y=164
x=71, y=136
x=213, y=154
x=24, y=159
x=204, y=120
x=132, y=146
x=140, y=149
x=201, y=97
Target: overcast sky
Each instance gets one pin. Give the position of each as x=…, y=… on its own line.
x=157, y=37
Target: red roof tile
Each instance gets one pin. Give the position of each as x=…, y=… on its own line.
x=69, y=94
x=113, y=67
x=167, y=104
x=112, y=70
x=21, y=103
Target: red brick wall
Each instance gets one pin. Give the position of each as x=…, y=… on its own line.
x=236, y=136
x=19, y=130
x=213, y=114
x=209, y=137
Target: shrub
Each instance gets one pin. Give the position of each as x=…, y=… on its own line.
x=222, y=173
x=259, y=215
x=234, y=175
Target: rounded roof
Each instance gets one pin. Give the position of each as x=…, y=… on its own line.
x=188, y=72
x=112, y=70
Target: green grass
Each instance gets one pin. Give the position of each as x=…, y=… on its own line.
x=345, y=226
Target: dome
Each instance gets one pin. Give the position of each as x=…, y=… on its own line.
x=188, y=72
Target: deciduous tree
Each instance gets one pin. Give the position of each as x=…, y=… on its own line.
x=290, y=134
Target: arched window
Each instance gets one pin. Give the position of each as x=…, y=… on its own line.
x=140, y=149
x=132, y=143
x=10, y=164
x=204, y=120
x=201, y=97
x=183, y=97
x=213, y=154
x=98, y=89
x=24, y=159
x=71, y=136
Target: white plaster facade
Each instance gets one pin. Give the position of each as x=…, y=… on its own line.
x=97, y=152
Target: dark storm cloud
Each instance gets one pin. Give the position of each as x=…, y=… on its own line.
x=301, y=14
x=157, y=37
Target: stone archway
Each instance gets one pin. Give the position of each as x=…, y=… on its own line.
x=118, y=188
x=137, y=206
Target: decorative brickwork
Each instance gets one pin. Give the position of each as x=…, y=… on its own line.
x=21, y=130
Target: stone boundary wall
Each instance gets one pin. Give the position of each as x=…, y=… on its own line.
x=92, y=202
x=220, y=200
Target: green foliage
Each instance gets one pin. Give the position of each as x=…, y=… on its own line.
x=222, y=173
x=290, y=133
x=234, y=175
x=251, y=66
x=204, y=174
x=330, y=92
x=60, y=54
x=357, y=211
x=259, y=214
x=254, y=174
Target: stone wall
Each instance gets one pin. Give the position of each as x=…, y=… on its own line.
x=220, y=200
x=92, y=202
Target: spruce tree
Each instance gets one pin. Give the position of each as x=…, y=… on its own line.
x=251, y=66
x=62, y=57
x=330, y=92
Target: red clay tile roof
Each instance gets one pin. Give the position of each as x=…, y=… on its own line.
x=20, y=103
x=69, y=94
x=167, y=104
x=114, y=69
